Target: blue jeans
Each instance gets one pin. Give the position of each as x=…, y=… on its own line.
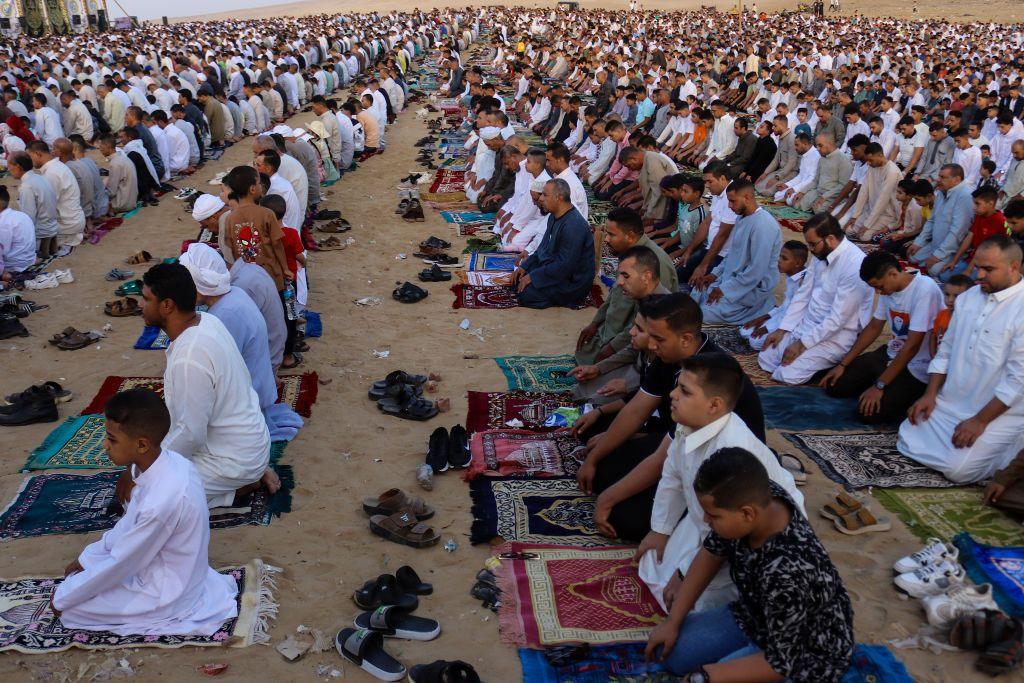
x=959, y=269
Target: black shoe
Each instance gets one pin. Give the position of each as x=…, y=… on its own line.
x=458, y=447
x=10, y=326
x=434, y=274
x=437, y=450
x=436, y=243
x=31, y=412
x=327, y=214
x=444, y=672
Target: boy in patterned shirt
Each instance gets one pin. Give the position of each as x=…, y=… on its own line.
x=793, y=618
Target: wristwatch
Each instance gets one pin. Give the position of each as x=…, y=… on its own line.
x=880, y=385
x=700, y=676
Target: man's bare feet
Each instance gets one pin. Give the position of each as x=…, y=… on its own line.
x=271, y=481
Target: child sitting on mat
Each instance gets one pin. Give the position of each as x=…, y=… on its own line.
x=793, y=618
x=793, y=267
x=150, y=574
x=957, y=285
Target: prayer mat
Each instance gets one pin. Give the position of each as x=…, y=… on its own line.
x=943, y=513
x=1002, y=567
x=130, y=213
x=532, y=511
x=152, y=339
x=470, y=229
x=470, y=296
x=80, y=503
x=789, y=212
x=572, y=595
x=453, y=196
x=538, y=373
x=298, y=391
x=757, y=375
x=875, y=664
x=492, y=262
x=522, y=453
x=483, y=244
x=728, y=339
x=480, y=279
x=857, y=460
x=794, y=224
x=494, y=410
x=601, y=664
x=801, y=408
x=29, y=626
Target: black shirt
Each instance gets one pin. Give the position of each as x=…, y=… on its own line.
x=659, y=379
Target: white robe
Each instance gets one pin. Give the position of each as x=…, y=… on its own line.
x=150, y=574
x=216, y=420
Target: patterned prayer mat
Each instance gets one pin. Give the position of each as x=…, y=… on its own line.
x=801, y=407
x=785, y=211
x=728, y=338
x=532, y=511
x=479, y=279
x=572, y=595
x=80, y=503
x=298, y=391
x=794, y=224
x=522, y=453
x=757, y=375
x=492, y=262
x=449, y=196
x=943, y=513
x=470, y=296
x=492, y=410
x=538, y=373
x=602, y=663
x=471, y=229
x=467, y=216
x=28, y=625
x=857, y=460
x=1002, y=567
x=152, y=339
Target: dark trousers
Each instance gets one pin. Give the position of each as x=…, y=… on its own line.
x=606, y=196
x=685, y=271
x=291, y=326
x=1012, y=500
x=863, y=372
x=631, y=517
x=898, y=247
x=535, y=297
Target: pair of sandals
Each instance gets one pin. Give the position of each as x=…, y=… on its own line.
x=852, y=517
x=50, y=390
x=116, y=274
x=400, y=589
x=434, y=274
x=408, y=293
x=337, y=225
x=139, y=258
x=401, y=394
x=365, y=649
x=123, y=308
x=997, y=636
x=414, y=212
x=486, y=590
x=71, y=339
x=129, y=288
x=331, y=243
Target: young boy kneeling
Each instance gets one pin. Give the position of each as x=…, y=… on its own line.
x=793, y=619
x=150, y=574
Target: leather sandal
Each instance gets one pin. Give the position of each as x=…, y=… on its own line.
x=396, y=500
x=403, y=527
x=842, y=504
x=123, y=308
x=860, y=522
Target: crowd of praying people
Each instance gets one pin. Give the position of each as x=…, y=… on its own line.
x=901, y=145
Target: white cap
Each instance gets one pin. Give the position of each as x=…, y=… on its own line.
x=490, y=132
x=283, y=130
x=205, y=206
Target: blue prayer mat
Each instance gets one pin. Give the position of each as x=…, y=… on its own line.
x=875, y=664
x=803, y=408
x=152, y=339
x=602, y=662
x=1002, y=567
x=492, y=262
x=550, y=510
x=467, y=216
x=538, y=373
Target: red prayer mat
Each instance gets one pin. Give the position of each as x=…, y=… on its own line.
x=491, y=410
x=523, y=453
x=572, y=594
x=298, y=391
x=473, y=296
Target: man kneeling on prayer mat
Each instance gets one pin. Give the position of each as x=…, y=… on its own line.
x=561, y=271
x=216, y=420
x=150, y=574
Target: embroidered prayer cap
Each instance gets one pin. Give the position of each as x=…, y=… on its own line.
x=206, y=205
x=207, y=268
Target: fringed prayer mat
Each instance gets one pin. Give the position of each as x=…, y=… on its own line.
x=470, y=296
x=572, y=595
x=467, y=216
x=944, y=513
x=522, y=453
x=152, y=339
x=875, y=664
x=538, y=373
x=298, y=391
x=857, y=460
x=493, y=410
x=532, y=511
x=492, y=262
x=802, y=408
x=601, y=664
x=80, y=503
x=728, y=339
x=1002, y=567
x=27, y=624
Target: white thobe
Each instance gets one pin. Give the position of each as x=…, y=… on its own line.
x=292, y=171
x=70, y=216
x=216, y=420
x=677, y=511
x=162, y=149
x=982, y=357
x=48, y=127
x=723, y=138
x=804, y=179
x=577, y=194
x=178, y=149
x=293, y=213
x=150, y=574
x=17, y=241
x=969, y=160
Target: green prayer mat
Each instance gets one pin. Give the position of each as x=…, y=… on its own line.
x=77, y=444
x=538, y=373
x=787, y=212
x=943, y=513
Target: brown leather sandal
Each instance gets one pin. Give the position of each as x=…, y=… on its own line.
x=140, y=257
x=860, y=522
x=60, y=336
x=123, y=308
x=403, y=528
x=842, y=504
x=396, y=500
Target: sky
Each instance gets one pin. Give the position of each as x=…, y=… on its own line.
x=147, y=9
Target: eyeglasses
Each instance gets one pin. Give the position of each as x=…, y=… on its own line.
x=814, y=245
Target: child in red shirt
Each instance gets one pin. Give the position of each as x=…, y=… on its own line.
x=295, y=259
x=987, y=222
x=957, y=285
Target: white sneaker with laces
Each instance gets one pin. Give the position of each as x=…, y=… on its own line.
x=934, y=579
x=42, y=281
x=958, y=601
x=934, y=551
x=64, y=277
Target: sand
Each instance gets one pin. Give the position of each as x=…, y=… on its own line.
x=349, y=449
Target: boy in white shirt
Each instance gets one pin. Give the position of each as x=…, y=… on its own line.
x=150, y=574
x=793, y=266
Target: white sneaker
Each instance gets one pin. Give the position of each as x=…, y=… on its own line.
x=934, y=551
x=42, y=281
x=959, y=601
x=64, y=277
x=934, y=579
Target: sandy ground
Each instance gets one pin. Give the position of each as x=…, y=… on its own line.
x=349, y=449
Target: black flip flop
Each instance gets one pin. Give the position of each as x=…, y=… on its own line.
x=365, y=649
x=393, y=622
x=443, y=671
x=434, y=274
x=410, y=582
x=417, y=409
x=385, y=590
x=408, y=293
x=400, y=377
x=393, y=391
